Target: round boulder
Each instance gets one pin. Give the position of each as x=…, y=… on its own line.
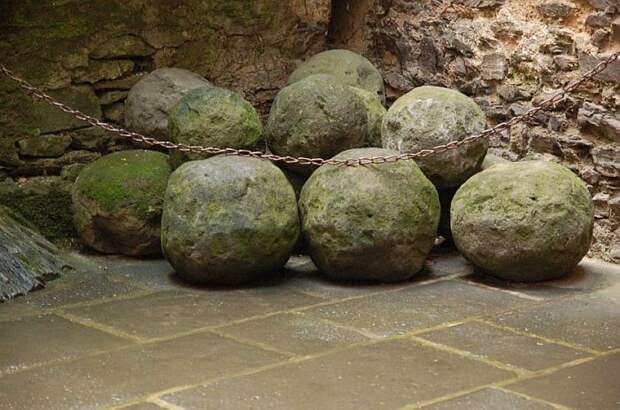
x=430, y=116
x=151, y=99
x=348, y=67
x=213, y=117
x=375, y=222
x=228, y=220
x=524, y=221
x=117, y=202
x=316, y=117
x=375, y=112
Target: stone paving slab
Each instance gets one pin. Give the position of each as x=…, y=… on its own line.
x=385, y=375
x=418, y=307
x=491, y=399
x=118, y=376
x=126, y=333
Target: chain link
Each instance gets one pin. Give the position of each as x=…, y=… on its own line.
x=552, y=101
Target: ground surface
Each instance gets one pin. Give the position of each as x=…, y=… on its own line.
x=128, y=335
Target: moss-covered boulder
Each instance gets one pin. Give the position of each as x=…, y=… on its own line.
x=316, y=117
x=525, y=221
x=376, y=222
x=348, y=67
x=490, y=160
x=430, y=116
x=213, y=117
x=149, y=101
x=117, y=202
x=228, y=220
x=375, y=112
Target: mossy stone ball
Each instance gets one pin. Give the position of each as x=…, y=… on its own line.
x=228, y=220
x=316, y=117
x=117, y=202
x=375, y=112
x=348, y=67
x=429, y=116
x=525, y=221
x=213, y=117
x=369, y=223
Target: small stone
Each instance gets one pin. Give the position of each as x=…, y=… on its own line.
x=376, y=222
x=348, y=67
x=120, y=84
x=122, y=47
x=566, y=62
x=598, y=20
x=49, y=119
x=114, y=112
x=526, y=221
x=556, y=8
x=592, y=117
x=53, y=166
x=510, y=93
x=430, y=116
x=490, y=160
x=590, y=176
x=91, y=138
x=614, y=211
x=606, y=160
x=611, y=73
x=316, y=117
x=228, y=220
x=53, y=145
x=103, y=70
x=494, y=67
x=213, y=117
x=375, y=111
x=110, y=97
x=150, y=101
x=118, y=202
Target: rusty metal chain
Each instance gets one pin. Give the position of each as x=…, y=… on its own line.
x=38, y=94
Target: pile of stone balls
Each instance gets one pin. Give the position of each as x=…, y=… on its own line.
x=229, y=219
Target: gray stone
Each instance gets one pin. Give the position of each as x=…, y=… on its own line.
x=595, y=117
x=316, y=117
x=606, y=160
x=598, y=20
x=44, y=145
x=611, y=73
x=556, y=8
x=375, y=111
x=430, y=116
x=152, y=97
x=376, y=222
x=213, y=117
x=524, y=221
x=118, y=202
x=228, y=220
x=348, y=67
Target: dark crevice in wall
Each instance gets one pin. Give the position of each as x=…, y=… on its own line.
x=347, y=26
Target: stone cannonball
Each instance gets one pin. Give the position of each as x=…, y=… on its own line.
x=376, y=222
x=375, y=112
x=151, y=99
x=213, y=117
x=524, y=221
x=316, y=117
x=117, y=202
x=430, y=116
x=228, y=220
x=348, y=67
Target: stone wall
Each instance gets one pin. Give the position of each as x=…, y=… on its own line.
x=504, y=53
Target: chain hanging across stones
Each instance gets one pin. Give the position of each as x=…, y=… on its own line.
x=552, y=101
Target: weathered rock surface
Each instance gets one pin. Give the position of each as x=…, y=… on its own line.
x=348, y=67
x=228, y=220
x=376, y=222
x=150, y=101
x=118, y=202
x=525, y=221
x=213, y=117
x=429, y=116
x=375, y=112
x=316, y=117
x=26, y=258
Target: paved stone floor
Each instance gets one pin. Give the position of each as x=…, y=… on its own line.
x=121, y=333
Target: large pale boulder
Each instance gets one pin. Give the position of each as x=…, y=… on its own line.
x=376, y=222
x=151, y=99
x=348, y=67
x=117, y=202
x=228, y=220
x=429, y=116
x=316, y=117
x=523, y=221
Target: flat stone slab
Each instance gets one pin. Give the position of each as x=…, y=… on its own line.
x=127, y=333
